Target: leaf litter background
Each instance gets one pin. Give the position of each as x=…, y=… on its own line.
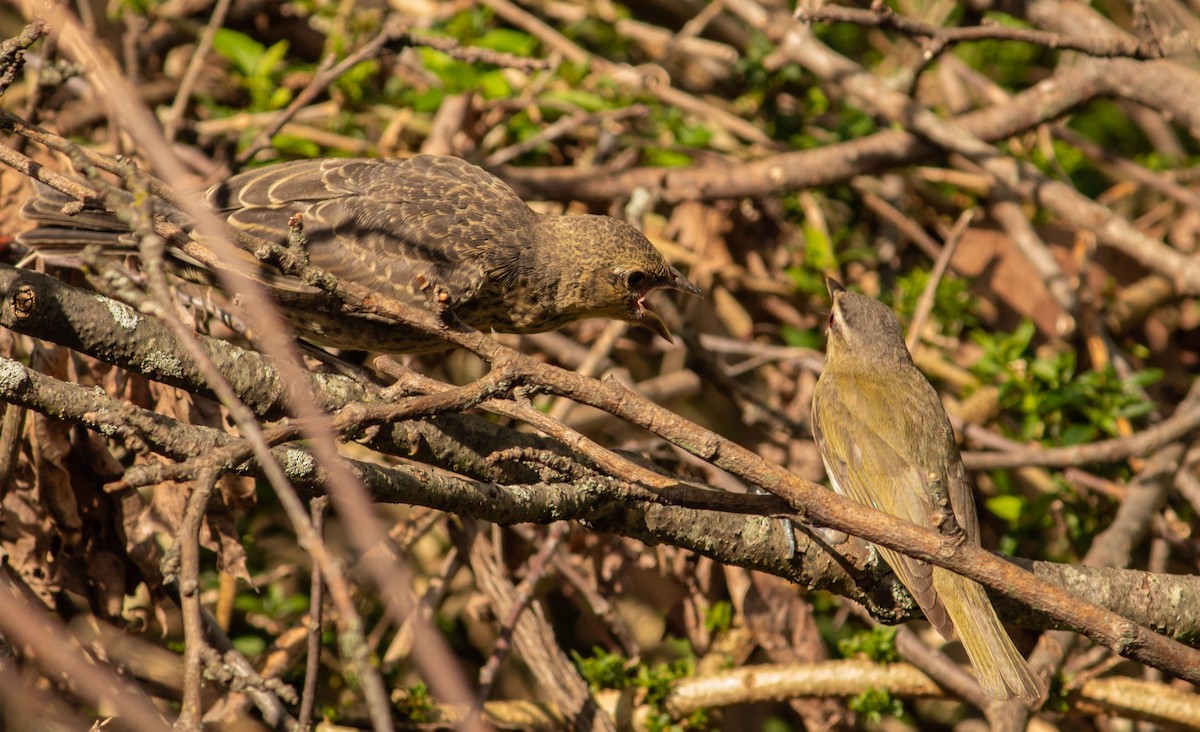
x=998, y=344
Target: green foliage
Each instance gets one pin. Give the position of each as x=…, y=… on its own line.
x=415, y=704
x=1007, y=507
x=1028, y=514
x=826, y=251
x=250, y=646
x=1106, y=123
x=757, y=78
x=876, y=644
x=257, y=68
x=507, y=40
x=802, y=338
x=1046, y=397
x=475, y=26
x=604, y=670
x=664, y=158
x=1011, y=64
x=763, y=88
x=1070, y=160
x=470, y=24
x=953, y=304
x=719, y=617
x=658, y=679
x=875, y=704
x=683, y=129
x=274, y=602
x=818, y=249
x=355, y=83
x=296, y=146
x=808, y=280
x=849, y=40
x=585, y=100
x=460, y=76
x=601, y=34
x=281, y=602
x=137, y=7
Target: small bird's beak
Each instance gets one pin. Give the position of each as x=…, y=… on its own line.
x=835, y=288
x=677, y=281
x=648, y=318
x=652, y=321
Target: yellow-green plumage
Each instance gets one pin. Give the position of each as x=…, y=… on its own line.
x=883, y=435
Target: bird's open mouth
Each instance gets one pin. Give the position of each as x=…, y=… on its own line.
x=645, y=313
x=647, y=316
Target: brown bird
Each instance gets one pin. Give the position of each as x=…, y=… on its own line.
x=407, y=229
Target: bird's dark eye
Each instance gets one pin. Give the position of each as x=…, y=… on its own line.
x=635, y=280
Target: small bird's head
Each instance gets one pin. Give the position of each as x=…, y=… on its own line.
x=608, y=269
x=862, y=331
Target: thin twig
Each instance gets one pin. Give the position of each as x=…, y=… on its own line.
x=312, y=664
x=881, y=16
x=190, y=712
x=536, y=567
x=929, y=295
x=174, y=115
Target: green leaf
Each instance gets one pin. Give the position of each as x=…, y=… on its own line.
x=494, y=85
x=874, y=704
x=1078, y=434
x=355, y=82
x=279, y=98
x=818, y=250
x=658, y=157
x=719, y=617
x=801, y=338
x=249, y=645
x=428, y=101
x=1146, y=377
x=877, y=644
x=239, y=49
x=454, y=74
x=585, y=100
x=1006, y=507
x=807, y=280
x=603, y=670
x=508, y=41
x=271, y=59
x=295, y=146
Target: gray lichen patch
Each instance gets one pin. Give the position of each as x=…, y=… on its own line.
x=162, y=363
x=123, y=315
x=12, y=376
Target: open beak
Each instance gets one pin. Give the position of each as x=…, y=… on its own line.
x=835, y=288
x=677, y=281
x=650, y=319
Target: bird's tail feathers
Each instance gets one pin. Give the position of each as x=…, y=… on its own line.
x=61, y=234
x=1000, y=667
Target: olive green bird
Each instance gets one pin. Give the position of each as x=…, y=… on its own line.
x=884, y=437
x=418, y=229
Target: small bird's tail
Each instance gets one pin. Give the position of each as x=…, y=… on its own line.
x=1000, y=667
x=59, y=238
x=62, y=235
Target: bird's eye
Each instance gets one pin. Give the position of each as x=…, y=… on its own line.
x=635, y=280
